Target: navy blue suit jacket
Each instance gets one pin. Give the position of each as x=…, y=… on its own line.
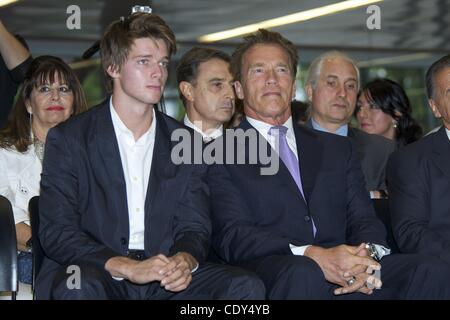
x=419, y=195
x=256, y=216
x=83, y=202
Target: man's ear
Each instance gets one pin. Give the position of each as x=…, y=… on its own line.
x=309, y=91
x=113, y=71
x=239, y=90
x=434, y=108
x=294, y=89
x=186, y=90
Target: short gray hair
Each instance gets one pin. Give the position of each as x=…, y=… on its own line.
x=316, y=66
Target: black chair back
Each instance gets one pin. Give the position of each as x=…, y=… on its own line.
x=38, y=253
x=382, y=209
x=8, y=249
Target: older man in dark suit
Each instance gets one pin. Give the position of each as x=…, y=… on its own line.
x=332, y=86
x=308, y=229
x=114, y=206
x=419, y=178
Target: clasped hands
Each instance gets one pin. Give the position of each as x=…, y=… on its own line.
x=173, y=273
x=342, y=263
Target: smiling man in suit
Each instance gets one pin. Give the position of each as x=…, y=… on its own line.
x=112, y=201
x=309, y=230
x=419, y=178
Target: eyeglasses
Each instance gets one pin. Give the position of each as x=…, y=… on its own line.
x=48, y=89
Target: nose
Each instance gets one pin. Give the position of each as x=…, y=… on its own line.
x=55, y=94
x=157, y=71
x=342, y=92
x=362, y=113
x=229, y=91
x=271, y=77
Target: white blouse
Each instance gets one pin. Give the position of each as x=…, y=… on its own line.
x=20, y=176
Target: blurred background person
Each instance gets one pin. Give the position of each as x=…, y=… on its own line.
x=384, y=109
x=238, y=115
x=332, y=86
x=50, y=94
x=14, y=62
x=299, y=111
x=206, y=88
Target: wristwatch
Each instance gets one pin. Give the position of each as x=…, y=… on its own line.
x=377, y=251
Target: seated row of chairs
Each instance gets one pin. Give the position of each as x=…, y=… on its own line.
x=8, y=241
x=8, y=246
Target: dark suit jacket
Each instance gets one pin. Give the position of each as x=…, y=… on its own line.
x=419, y=195
x=83, y=203
x=373, y=151
x=255, y=216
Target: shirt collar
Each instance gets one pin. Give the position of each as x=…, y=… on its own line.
x=264, y=127
x=448, y=133
x=121, y=129
x=210, y=134
x=341, y=131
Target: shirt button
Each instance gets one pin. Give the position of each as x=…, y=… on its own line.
x=307, y=218
x=137, y=210
x=134, y=178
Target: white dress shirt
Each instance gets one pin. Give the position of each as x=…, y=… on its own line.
x=263, y=128
x=136, y=157
x=448, y=133
x=211, y=134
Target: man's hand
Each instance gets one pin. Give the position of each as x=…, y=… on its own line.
x=362, y=274
x=140, y=272
x=177, y=273
x=336, y=261
x=362, y=252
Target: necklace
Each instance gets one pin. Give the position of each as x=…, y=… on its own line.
x=39, y=148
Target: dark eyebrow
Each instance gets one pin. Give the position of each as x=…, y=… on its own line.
x=143, y=56
x=216, y=79
x=149, y=56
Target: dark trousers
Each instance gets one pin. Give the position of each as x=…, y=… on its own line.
x=210, y=281
x=404, y=276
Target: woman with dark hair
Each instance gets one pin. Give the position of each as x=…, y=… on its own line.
x=383, y=108
x=50, y=94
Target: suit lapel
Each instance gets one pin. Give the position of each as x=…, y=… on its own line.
x=162, y=170
x=108, y=148
x=309, y=152
x=283, y=172
x=441, y=151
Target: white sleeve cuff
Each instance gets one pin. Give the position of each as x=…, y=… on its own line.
x=382, y=251
x=117, y=278
x=195, y=268
x=298, y=251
